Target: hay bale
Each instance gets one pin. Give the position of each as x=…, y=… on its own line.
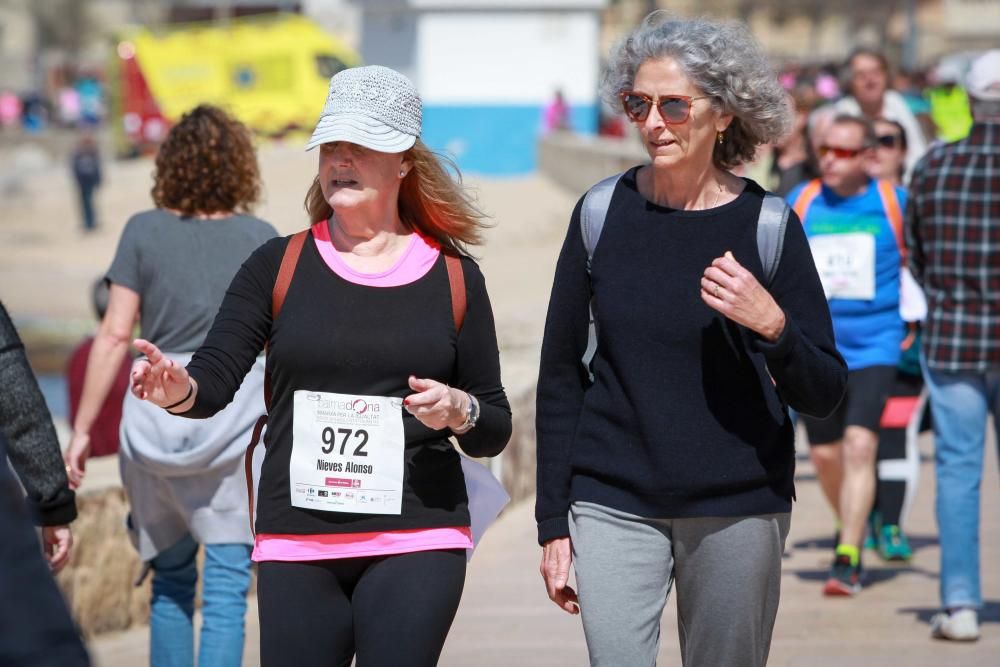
x=99, y=581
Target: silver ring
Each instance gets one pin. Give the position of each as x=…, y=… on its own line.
x=717, y=290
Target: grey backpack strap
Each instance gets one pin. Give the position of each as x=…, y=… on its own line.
x=771, y=234
x=594, y=211
x=592, y=215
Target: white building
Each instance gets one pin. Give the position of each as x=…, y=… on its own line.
x=486, y=68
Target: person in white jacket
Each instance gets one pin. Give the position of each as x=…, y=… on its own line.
x=868, y=95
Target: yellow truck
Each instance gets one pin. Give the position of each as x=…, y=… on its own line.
x=270, y=72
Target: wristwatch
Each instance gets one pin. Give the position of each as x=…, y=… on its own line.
x=471, y=417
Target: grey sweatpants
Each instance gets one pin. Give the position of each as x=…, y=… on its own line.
x=727, y=571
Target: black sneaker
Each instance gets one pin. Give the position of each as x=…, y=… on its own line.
x=845, y=579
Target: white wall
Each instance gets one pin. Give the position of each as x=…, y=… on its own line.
x=389, y=39
x=339, y=17
x=17, y=48
x=507, y=57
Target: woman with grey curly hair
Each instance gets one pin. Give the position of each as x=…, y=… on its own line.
x=667, y=458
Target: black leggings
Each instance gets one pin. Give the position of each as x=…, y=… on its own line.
x=389, y=610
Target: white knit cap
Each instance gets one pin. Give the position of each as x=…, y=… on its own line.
x=375, y=107
x=983, y=80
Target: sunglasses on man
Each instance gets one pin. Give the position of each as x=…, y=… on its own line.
x=674, y=109
x=838, y=152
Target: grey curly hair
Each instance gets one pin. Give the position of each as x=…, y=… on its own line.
x=723, y=60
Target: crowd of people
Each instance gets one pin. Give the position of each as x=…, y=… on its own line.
x=666, y=417
x=78, y=101
x=889, y=183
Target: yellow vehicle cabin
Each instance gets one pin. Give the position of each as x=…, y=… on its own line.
x=272, y=73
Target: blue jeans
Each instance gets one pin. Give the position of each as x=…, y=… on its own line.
x=224, y=604
x=959, y=404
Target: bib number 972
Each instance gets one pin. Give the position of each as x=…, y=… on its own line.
x=330, y=440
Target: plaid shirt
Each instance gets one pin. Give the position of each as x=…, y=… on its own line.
x=953, y=237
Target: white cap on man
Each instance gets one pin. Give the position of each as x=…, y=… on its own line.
x=983, y=79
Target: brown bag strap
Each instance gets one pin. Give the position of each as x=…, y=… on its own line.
x=456, y=281
x=285, y=272
x=248, y=466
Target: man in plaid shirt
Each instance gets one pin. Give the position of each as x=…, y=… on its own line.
x=953, y=235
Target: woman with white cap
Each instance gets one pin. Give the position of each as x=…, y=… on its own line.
x=381, y=345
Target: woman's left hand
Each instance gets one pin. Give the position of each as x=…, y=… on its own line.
x=76, y=458
x=436, y=405
x=733, y=291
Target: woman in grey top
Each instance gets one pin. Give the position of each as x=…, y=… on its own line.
x=184, y=479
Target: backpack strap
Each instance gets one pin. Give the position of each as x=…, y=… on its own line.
x=806, y=197
x=593, y=213
x=771, y=226
x=286, y=270
x=456, y=282
x=894, y=213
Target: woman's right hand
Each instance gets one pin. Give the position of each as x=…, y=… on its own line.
x=158, y=379
x=556, y=559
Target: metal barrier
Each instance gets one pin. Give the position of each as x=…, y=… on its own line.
x=577, y=162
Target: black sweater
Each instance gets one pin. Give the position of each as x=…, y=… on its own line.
x=26, y=424
x=682, y=419
x=336, y=336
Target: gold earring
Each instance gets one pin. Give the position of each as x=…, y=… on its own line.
x=718, y=138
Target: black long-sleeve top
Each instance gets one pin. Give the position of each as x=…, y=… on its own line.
x=31, y=438
x=333, y=335
x=682, y=419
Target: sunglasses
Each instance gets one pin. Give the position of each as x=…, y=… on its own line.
x=839, y=153
x=889, y=140
x=673, y=109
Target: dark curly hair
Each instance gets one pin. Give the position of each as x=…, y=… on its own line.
x=207, y=165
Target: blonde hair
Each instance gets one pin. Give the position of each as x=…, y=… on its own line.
x=430, y=202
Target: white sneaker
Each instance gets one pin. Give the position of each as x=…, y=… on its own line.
x=961, y=625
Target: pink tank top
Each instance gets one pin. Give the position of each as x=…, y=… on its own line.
x=417, y=260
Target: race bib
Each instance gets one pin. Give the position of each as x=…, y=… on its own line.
x=846, y=264
x=347, y=453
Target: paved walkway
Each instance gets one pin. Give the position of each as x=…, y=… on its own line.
x=505, y=618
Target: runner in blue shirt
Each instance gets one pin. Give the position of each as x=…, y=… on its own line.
x=852, y=222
